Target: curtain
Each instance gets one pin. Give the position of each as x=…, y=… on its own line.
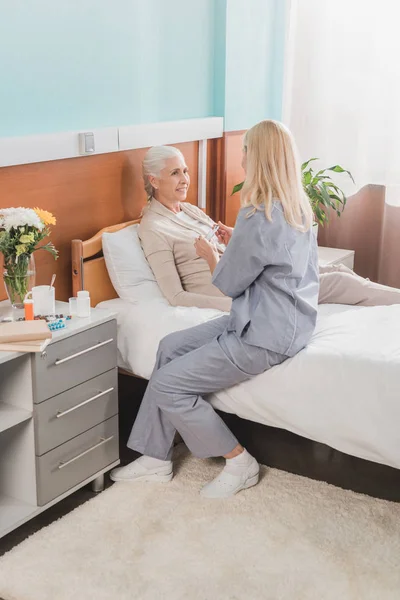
x=342, y=102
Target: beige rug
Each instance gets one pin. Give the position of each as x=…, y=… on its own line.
x=289, y=538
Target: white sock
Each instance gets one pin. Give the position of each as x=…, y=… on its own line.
x=148, y=462
x=239, y=463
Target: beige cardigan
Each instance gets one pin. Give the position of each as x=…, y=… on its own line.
x=168, y=244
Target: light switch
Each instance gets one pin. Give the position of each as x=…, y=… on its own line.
x=86, y=143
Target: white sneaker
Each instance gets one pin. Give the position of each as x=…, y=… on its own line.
x=136, y=471
x=227, y=484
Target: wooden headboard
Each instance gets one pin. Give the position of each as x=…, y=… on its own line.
x=89, y=271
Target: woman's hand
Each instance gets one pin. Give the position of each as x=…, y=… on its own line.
x=208, y=251
x=224, y=233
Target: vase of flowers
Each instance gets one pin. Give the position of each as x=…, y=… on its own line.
x=19, y=278
x=21, y=232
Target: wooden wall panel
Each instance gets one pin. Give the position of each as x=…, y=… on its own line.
x=361, y=227
x=216, y=181
x=233, y=174
x=85, y=194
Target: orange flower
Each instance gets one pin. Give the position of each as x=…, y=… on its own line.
x=45, y=216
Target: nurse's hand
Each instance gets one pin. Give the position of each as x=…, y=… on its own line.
x=224, y=233
x=204, y=249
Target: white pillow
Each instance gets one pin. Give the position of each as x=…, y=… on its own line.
x=129, y=271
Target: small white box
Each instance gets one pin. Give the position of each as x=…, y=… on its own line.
x=86, y=143
x=335, y=256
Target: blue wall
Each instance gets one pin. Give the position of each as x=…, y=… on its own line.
x=80, y=64
x=255, y=36
x=77, y=64
x=219, y=57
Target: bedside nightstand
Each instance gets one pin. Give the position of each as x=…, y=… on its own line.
x=335, y=256
x=58, y=416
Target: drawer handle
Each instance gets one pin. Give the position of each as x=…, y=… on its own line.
x=62, y=413
x=63, y=360
x=100, y=443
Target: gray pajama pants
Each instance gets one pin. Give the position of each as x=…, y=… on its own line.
x=191, y=364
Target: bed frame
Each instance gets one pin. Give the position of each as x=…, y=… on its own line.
x=271, y=446
x=89, y=271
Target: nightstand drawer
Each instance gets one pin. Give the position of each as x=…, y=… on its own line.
x=73, y=360
x=76, y=460
x=71, y=413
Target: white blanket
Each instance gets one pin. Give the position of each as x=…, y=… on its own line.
x=342, y=390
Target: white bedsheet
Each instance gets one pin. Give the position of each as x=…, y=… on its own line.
x=342, y=390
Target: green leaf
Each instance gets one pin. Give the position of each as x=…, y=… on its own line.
x=320, y=216
x=325, y=196
x=318, y=178
x=304, y=165
x=313, y=193
x=237, y=188
x=336, y=198
x=334, y=189
x=49, y=247
x=339, y=169
x=330, y=184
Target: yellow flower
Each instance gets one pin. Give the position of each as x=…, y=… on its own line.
x=27, y=238
x=45, y=216
x=21, y=249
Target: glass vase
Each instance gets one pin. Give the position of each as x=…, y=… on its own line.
x=19, y=278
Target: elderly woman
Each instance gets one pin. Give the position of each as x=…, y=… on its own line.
x=169, y=233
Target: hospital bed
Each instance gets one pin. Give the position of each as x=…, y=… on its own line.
x=332, y=412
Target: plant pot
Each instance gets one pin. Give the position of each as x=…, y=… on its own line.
x=19, y=277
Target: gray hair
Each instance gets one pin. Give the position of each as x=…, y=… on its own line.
x=154, y=162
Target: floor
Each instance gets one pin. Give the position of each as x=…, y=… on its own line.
x=317, y=542
x=58, y=510
x=48, y=516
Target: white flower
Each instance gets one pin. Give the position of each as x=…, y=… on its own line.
x=19, y=217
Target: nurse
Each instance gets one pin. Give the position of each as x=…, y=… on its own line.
x=270, y=270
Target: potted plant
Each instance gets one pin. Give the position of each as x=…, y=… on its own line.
x=21, y=231
x=323, y=193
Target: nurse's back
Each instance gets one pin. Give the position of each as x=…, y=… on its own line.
x=270, y=267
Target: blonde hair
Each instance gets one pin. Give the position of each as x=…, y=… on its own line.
x=274, y=173
x=154, y=162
